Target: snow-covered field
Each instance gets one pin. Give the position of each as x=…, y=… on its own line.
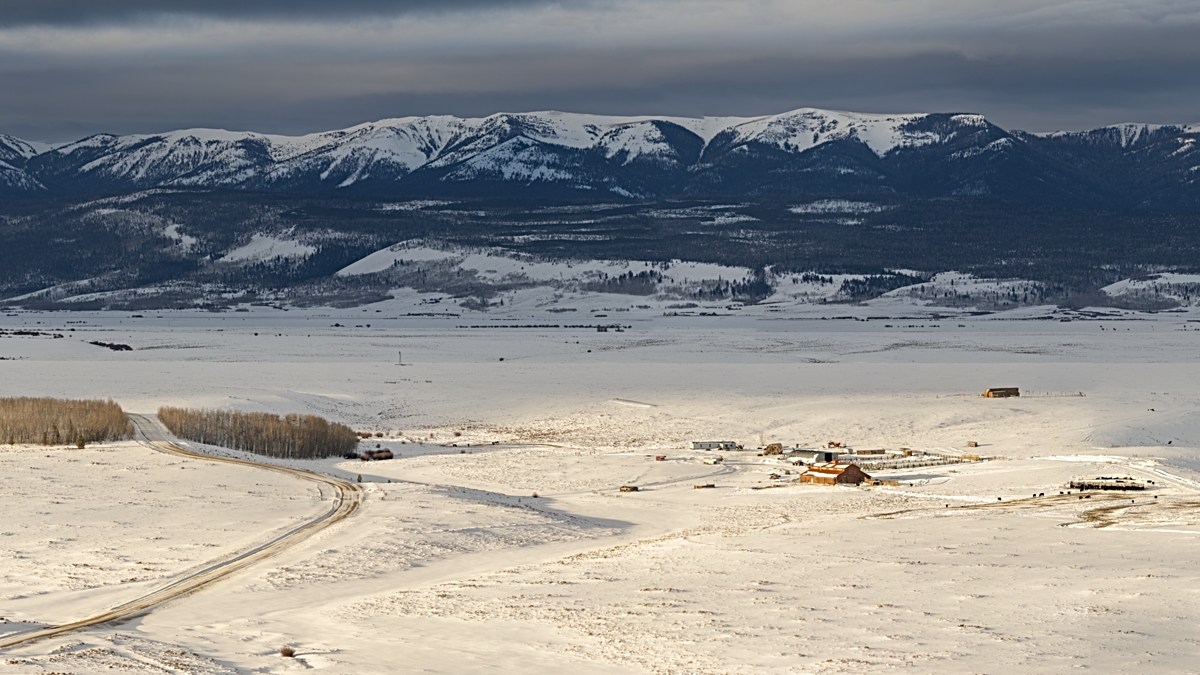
x=453, y=566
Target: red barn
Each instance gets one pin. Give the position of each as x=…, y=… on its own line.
x=834, y=473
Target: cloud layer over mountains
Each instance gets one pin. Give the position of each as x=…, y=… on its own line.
x=72, y=68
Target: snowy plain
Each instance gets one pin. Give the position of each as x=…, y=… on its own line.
x=453, y=566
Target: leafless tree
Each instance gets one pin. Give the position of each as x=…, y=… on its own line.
x=291, y=436
x=58, y=421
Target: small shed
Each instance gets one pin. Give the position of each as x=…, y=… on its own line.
x=834, y=473
x=1002, y=392
x=813, y=456
x=714, y=445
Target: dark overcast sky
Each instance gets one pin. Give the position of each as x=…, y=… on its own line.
x=70, y=68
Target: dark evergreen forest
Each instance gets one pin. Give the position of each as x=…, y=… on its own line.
x=139, y=240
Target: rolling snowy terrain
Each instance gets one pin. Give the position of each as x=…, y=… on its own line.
x=453, y=566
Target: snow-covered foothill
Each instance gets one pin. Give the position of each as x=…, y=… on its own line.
x=956, y=289
x=385, y=258
x=1182, y=288
x=1162, y=279
x=266, y=246
x=497, y=264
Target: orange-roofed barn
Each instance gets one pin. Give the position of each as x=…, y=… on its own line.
x=834, y=473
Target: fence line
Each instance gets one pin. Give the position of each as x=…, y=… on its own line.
x=1024, y=394
x=885, y=465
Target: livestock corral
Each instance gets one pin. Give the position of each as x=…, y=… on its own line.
x=867, y=459
x=1108, y=483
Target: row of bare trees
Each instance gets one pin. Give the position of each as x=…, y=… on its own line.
x=291, y=436
x=57, y=421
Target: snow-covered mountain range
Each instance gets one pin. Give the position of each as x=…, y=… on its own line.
x=804, y=151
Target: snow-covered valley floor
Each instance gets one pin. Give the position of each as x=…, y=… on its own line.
x=453, y=566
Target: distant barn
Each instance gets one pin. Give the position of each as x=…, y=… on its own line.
x=1002, y=392
x=834, y=473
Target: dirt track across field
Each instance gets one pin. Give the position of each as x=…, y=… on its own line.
x=152, y=434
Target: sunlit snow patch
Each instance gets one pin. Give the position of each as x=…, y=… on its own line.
x=262, y=247
x=414, y=205
x=838, y=206
x=730, y=219
x=185, y=241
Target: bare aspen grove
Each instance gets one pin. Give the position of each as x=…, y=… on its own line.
x=292, y=436
x=59, y=421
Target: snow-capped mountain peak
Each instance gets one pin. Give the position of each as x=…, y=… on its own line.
x=13, y=148
x=806, y=150
x=806, y=128
x=1123, y=135
x=393, y=148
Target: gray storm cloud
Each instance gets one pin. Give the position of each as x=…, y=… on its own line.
x=71, y=68
x=60, y=12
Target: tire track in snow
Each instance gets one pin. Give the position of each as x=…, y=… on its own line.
x=153, y=435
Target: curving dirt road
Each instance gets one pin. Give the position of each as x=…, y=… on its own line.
x=151, y=434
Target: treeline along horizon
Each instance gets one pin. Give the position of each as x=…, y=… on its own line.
x=57, y=421
x=292, y=436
